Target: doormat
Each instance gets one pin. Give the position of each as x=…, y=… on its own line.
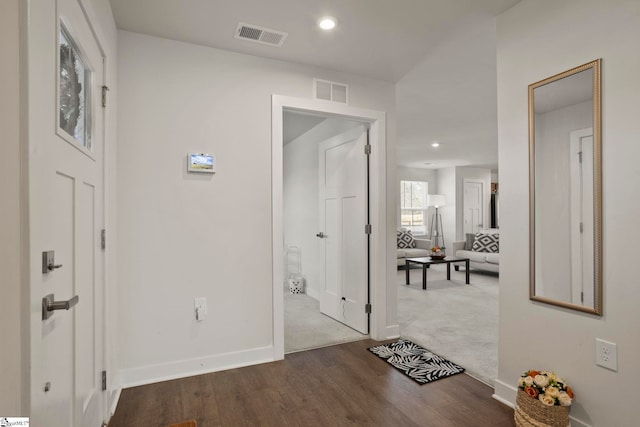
x=416, y=362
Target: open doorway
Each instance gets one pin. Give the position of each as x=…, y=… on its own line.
x=451, y=318
x=325, y=204
x=379, y=294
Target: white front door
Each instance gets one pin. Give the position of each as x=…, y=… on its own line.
x=473, y=218
x=343, y=241
x=66, y=215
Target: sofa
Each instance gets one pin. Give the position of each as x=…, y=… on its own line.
x=411, y=247
x=482, y=249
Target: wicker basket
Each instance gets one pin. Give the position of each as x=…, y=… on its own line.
x=530, y=412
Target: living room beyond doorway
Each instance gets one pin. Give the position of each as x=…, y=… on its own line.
x=452, y=319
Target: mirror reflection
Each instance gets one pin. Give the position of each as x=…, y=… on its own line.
x=565, y=189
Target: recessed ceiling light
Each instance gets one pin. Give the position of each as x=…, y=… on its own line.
x=327, y=23
x=435, y=145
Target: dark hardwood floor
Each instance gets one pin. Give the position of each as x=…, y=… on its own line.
x=332, y=386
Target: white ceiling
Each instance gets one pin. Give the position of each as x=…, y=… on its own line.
x=296, y=124
x=380, y=39
x=450, y=97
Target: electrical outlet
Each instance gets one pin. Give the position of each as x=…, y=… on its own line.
x=200, y=308
x=606, y=354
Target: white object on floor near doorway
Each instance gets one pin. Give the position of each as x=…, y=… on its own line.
x=293, y=259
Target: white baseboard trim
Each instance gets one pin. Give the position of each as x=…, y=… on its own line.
x=312, y=293
x=577, y=423
x=392, y=332
x=506, y=394
x=114, y=398
x=196, y=366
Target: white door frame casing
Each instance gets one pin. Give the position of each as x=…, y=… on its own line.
x=377, y=207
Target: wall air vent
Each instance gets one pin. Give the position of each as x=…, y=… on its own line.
x=330, y=91
x=256, y=34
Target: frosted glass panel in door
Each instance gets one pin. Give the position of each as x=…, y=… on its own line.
x=74, y=91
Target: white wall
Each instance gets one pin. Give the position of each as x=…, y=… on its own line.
x=448, y=185
x=301, y=216
x=450, y=182
x=416, y=174
x=183, y=236
x=537, y=39
x=12, y=400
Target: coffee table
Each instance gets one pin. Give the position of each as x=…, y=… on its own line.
x=427, y=261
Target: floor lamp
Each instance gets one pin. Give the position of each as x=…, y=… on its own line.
x=436, y=234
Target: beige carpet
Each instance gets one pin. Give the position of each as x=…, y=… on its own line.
x=456, y=321
x=306, y=328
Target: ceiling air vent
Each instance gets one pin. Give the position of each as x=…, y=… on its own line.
x=256, y=34
x=331, y=91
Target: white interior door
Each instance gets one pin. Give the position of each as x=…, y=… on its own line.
x=473, y=221
x=582, y=220
x=66, y=214
x=343, y=241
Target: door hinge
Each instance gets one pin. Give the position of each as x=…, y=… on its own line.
x=105, y=89
x=367, y=149
x=582, y=297
x=581, y=227
x=367, y=308
x=579, y=156
x=104, y=380
x=367, y=229
x=103, y=239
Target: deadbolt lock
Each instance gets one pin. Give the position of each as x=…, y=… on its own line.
x=49, y=262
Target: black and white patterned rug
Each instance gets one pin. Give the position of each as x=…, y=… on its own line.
x=416, y=362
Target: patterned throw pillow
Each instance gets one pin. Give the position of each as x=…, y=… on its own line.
x=487, y=243
x=468, y=244
x=405, y=239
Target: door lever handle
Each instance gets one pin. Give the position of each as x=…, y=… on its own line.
x=321, y=235
x=49, y=305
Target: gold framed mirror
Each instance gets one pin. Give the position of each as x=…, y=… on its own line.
x=565, y=189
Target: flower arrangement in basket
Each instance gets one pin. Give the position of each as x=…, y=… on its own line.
x=543, y=400
x=437, y=252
